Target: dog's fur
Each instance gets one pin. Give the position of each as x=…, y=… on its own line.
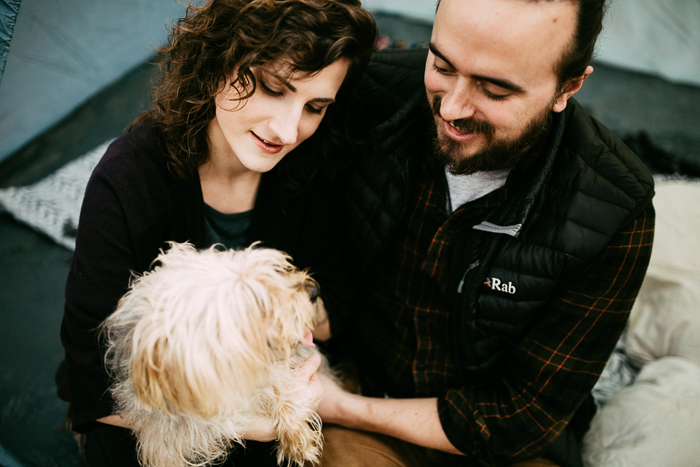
x=203, y=346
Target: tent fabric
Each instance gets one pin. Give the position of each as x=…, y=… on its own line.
x=659, y=37
x=65, y=51
x=8, y=17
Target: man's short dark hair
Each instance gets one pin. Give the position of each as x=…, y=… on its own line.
x=580, y=53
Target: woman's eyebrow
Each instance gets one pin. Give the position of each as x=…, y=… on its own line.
x=291, y=87
x=282, y=80
x=323, y=100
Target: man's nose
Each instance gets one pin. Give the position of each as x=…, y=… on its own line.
x=456, y=101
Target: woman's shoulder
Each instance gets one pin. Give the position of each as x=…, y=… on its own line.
x=135, y=155
x=141, y=144
x=134, y=171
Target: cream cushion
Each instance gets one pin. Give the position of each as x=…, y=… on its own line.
x=655, y=422
x=665, y=320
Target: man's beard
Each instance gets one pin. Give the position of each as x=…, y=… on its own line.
x=497, y=154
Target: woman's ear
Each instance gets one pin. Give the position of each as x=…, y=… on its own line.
x=570, y=88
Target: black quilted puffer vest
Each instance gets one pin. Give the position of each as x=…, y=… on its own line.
x=564, y=210
x=565, y=206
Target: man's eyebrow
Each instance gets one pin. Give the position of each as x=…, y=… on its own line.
x=502, y=83
x=291, y=87
x=512, y=87
x=435, y=51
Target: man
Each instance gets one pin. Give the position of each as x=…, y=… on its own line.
x=502, y=235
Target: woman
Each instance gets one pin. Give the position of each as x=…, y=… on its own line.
x=247, y=122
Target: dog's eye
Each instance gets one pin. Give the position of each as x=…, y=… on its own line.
x=312, y=290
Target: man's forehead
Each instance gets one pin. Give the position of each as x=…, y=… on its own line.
x=546, y=17
x=574, y=3
x=505, y=34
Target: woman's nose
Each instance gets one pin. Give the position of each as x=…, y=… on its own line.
x=286, y=124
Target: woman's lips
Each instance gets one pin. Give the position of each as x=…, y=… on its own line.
x=454, y=134
x=266, y=145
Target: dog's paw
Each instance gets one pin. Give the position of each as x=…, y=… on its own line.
x=300, y=441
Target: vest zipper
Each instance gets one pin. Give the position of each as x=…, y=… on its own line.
x=471, y=266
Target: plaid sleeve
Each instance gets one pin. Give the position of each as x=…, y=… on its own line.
x=556, y=364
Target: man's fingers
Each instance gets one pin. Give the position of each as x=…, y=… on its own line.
x=309, y=367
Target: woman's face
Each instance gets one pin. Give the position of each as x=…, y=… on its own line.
x=257, y=133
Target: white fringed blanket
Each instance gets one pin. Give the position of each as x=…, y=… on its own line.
x=52, y=205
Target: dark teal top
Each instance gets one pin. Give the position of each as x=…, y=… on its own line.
x=230, y=230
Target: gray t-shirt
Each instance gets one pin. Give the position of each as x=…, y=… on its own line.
x=465, y=188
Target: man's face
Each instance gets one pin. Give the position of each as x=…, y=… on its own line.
x=490, y=78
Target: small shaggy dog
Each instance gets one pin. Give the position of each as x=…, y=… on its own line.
x=206, y=344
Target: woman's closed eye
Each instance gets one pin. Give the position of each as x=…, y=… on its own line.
x=269, y=89
x=316, y=110
x=276, y=87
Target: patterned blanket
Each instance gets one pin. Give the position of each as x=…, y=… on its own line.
x=52, y=205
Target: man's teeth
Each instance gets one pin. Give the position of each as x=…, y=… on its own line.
x=452, y=125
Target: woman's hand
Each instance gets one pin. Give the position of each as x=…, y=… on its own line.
x=115, y=420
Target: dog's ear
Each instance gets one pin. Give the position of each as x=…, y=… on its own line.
x=155, y=385
x=161, y=383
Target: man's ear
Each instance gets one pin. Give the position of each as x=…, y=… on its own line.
x=570, y=88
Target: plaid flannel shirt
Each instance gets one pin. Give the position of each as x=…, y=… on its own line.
x=551, y=370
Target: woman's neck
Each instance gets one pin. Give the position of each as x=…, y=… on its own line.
x=227, y=185
x=228, y=192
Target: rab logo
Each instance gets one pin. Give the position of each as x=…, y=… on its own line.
x=494, y=283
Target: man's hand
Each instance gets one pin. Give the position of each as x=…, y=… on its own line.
x=309, y=380
x=412, y=420
x=334, y=399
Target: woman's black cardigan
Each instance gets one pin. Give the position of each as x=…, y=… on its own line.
x=134, y=205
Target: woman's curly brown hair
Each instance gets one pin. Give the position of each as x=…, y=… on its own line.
x=223, y=39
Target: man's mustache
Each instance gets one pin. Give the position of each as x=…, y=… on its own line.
x=465, y=125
